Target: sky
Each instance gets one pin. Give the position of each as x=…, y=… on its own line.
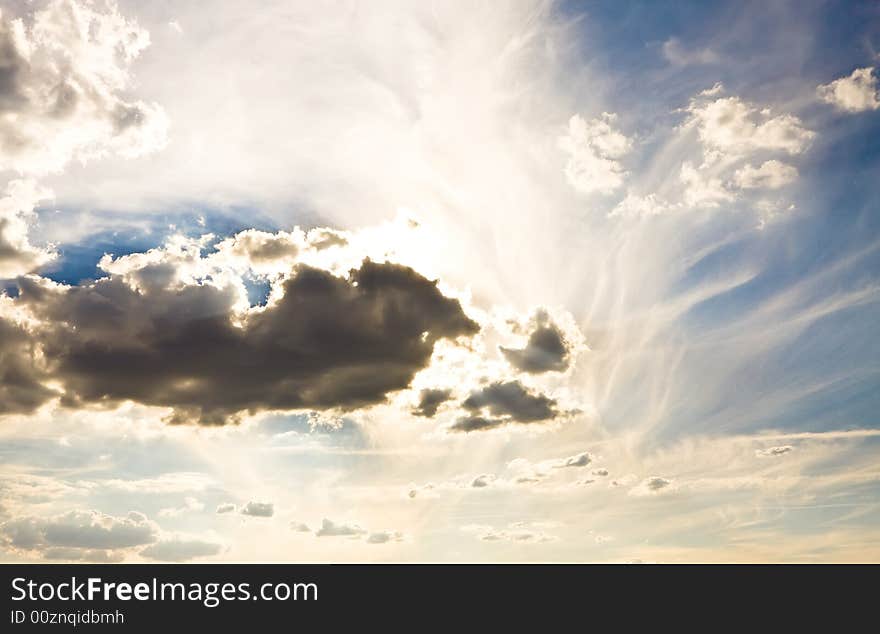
x=396, y=281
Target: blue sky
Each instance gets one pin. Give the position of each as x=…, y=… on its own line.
x=667, y=211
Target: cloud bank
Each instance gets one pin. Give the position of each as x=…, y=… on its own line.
x=143, y=334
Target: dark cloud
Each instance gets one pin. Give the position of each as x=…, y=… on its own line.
x=482, y=481
x=514, y=400
x=430, y=400
x=328, y=342
x=258, y=509
x=178, y=549
x=506, y=402
x=21, y=377
x=546, y=350
x=477, y=423
x=12, y=64
x=332, y=529
x=656, y=483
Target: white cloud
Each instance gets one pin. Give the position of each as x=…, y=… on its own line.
x=635, y=206
x=384, y=537
x=701, y=189
x=65, y=76
x=771, y=174
x=17, y=255
x=579, y=460
x=594, y=148
x=79, y=530
x=258, y=509
x=352, y=531
x=730, y=163
x=732, y=127
x=772, y=452
x=333, y=529
x=856, y=93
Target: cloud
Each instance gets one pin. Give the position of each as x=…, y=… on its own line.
x=226, y=508
x=430, y=400
x=651, y=486
x=734, y=127
x=655, y=483
x=180, y=549
x=299, y=527
x=594, y=148
x=424, y=490
x=17, y=255
x=22, y=376
x=482, y=481
x=146, y=334
x=735, y=139
x=677, y=55
x=63, y=77
x=353, y=531
x=506, y=402
x=258, y=249
x=546, y=350
x=79, y=531
x=701, y=189
x=855, y=93
x=580, y=460
x=258, y=509
x=774, y=451
x=636, y=206
x=332, y=529
x=526, y=472
x=384, y=537
x=771, y=174
x=323, y=238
